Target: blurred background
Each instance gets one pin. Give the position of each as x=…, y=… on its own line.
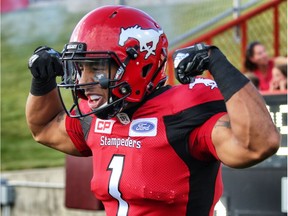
x=27, y=24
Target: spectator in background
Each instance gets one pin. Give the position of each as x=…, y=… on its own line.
x=258, y=62
x=279, y=74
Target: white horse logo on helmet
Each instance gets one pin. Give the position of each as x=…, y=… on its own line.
x=147, y=38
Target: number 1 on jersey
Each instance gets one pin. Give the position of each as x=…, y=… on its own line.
x=116, y=167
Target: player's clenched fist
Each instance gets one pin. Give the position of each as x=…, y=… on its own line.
x=190, y=62
x=44, y=65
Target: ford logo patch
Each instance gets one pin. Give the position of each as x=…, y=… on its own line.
x=143, y=127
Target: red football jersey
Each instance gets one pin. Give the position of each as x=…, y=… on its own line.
x=163, y=161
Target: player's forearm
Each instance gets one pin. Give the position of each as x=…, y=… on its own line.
x=41, y=110
x=43, y=103
x=251, y=123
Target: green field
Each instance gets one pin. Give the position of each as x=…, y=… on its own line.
x=22, y=32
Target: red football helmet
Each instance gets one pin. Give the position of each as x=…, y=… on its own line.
x=126, y=36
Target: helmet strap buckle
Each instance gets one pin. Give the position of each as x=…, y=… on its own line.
x=132, y=52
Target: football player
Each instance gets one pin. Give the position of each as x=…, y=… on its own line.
x=157, y=149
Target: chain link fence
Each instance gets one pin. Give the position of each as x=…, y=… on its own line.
x=185, y=20
x=260, y=28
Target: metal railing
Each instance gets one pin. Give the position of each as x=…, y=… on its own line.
x=270, y=19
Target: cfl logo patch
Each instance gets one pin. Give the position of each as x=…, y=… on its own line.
x=104, y=126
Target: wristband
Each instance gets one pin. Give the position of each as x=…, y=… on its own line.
x=40, y=88
x=228, y=78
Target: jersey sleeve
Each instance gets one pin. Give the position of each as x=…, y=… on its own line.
x=201, y=146
x=74, y=130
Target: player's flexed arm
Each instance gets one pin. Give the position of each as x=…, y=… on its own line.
x=247, y=134
x=44, y=112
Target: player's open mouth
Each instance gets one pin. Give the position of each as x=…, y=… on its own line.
x=95, y=101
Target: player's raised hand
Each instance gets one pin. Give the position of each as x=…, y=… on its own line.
x=190, y=62
x=44, y=65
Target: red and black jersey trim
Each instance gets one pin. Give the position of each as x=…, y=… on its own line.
x=203, y=174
